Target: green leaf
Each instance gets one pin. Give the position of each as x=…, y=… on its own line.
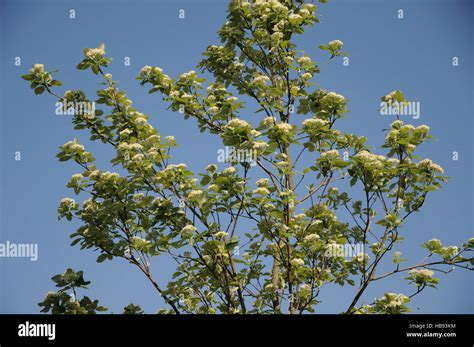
x=40, y=90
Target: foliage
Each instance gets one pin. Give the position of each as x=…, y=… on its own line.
x=246, y=246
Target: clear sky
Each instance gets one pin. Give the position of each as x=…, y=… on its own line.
x=413, y=54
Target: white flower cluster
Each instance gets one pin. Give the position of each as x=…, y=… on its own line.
x=238, y=132
x=433, y=245
x=297, y=262
x=304, y=61
x=188, y=75
x=267, y=122
x=333, y=98
x=312, y=125
x=261, y=191
x=268, y=6
x=311, y=240
x=284, y=128
x=449, y=252
x=237, y=123
x=95, y=53
x=421, y=276
x=220, y=235
x=362, y=258
x=195, y=195
x=77, y=177
x=330, y=155
x=295, y=19
x=139, y=243
x=124, y=134
x=304, y=291
x=67, y=202
x=394, y=97
x=260, y=81
x=229, y=171
x=74, y=147
x=262, y=182
x=392, y=301
x=37, y=69
x=335, y=45
x=370, y=159
x=146, y=70
x=213, y=109
x=188, y=231
x=427, y=163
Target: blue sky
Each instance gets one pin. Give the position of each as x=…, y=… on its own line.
x=413, y=54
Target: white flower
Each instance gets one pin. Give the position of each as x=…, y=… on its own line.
x=407, y=127
x=423, y=128
x=333, y=97
x=259, y=145
x=330, y=155
x=263, y=182
x=94, y=53
x=267, y=122
x=229, y=170
x=37, y=68
x=124, y=133
x=294, y=18
x=276, y=36
x=304, y=60
x=427, y=163
x=68, y=201
x=213, y=109
x=77, y=177
x=449, y=252
x=195, y=194
x=311, y=238
x=396, y=124
x=173, y=94
x=188, y=230
x=335, y=45
x=261, y=191
x=305, y=290
x=314, y=123
x=140, y=120
x=188, y=75
x=145, y=70
x=285, y=128
x=362, y=257
x=297, y=262
x=138, y=157
x=237, y=123
x=304, y=12
x=393, y=161
x=306, y=76
x=424, y=273
x=220, y=235
x=260, y=80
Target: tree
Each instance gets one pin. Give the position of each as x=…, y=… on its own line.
x=240, y=245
